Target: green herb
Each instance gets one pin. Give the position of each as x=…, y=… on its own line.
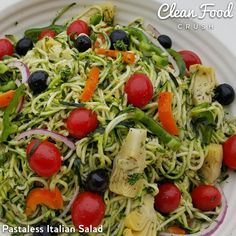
x=8, y=127
x=65, y=72
x=133, y=178
x=120, y=45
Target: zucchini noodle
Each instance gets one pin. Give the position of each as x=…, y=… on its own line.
x=68, y=71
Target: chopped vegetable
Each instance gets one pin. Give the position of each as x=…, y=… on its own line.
x=35, y=32
x=155, y=128
x=42, y=196
x=130, y=160
x=203, y=83
x=211, y=168
x=165, y=113
x=128, y=57
x=91, y=84
x=5, y=98
x=175, y=230
x=143, y=220
x=7, y=86
x=8, y=127
x=203, y=122
x=179, y=60
x=3, y=68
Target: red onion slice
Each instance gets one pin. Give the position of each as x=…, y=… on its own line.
x=23, y=68
x=209, y=231
x=20, y=105
x=51, y=134
x=25, y=73
x=154, y=33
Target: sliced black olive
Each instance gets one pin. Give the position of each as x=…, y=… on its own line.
x=38, y=81
x=43, y=229
x=119, y=40
x=83, y=43
x=224, y=94
x=165, y=41
x=97, y=181
x=23, y=46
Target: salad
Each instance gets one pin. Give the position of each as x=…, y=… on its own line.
x=105, y=125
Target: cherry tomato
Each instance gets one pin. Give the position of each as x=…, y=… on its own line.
x=206, y=197
x=76, y=28
x=45, y=159
x=6, y=48
x=81, y=122
x=47, y=32
x=88, y=209
x=190, y=58
x=139, y=90
x=168, y=198
x=229, y=151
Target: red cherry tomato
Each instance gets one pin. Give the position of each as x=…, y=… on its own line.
x=88, y=209
x=45, y=159
x=6, y=48
x=76, y=28
x=190, y=58
x=47, y=32
x=229, y=151
x=168, y=198
x=139, y=90
x=206, y=197
x=81, y=122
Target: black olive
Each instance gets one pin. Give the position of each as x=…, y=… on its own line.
x=165, y=41
x=97, y=181
x=43, y=229
x=24, y=45
x=83, y=43
x=38, y=81
x=119, y=40
x=224, y=94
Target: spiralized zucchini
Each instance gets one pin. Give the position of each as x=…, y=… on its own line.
x=68, y=71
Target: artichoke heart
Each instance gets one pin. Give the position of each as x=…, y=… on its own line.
x=211, y=168
x=130, y=160
x=142, y=221
x=54, y=49
x=203, y=83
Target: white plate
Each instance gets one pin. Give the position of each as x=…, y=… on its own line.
x=39, y=13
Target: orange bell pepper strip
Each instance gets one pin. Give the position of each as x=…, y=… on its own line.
x=175, y=230
x=165, y=113
x=91, y=84
x=128, y=57
x=5, y=98
x=52, y=199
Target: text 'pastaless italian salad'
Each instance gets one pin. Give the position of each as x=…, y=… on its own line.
x=105, y=124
